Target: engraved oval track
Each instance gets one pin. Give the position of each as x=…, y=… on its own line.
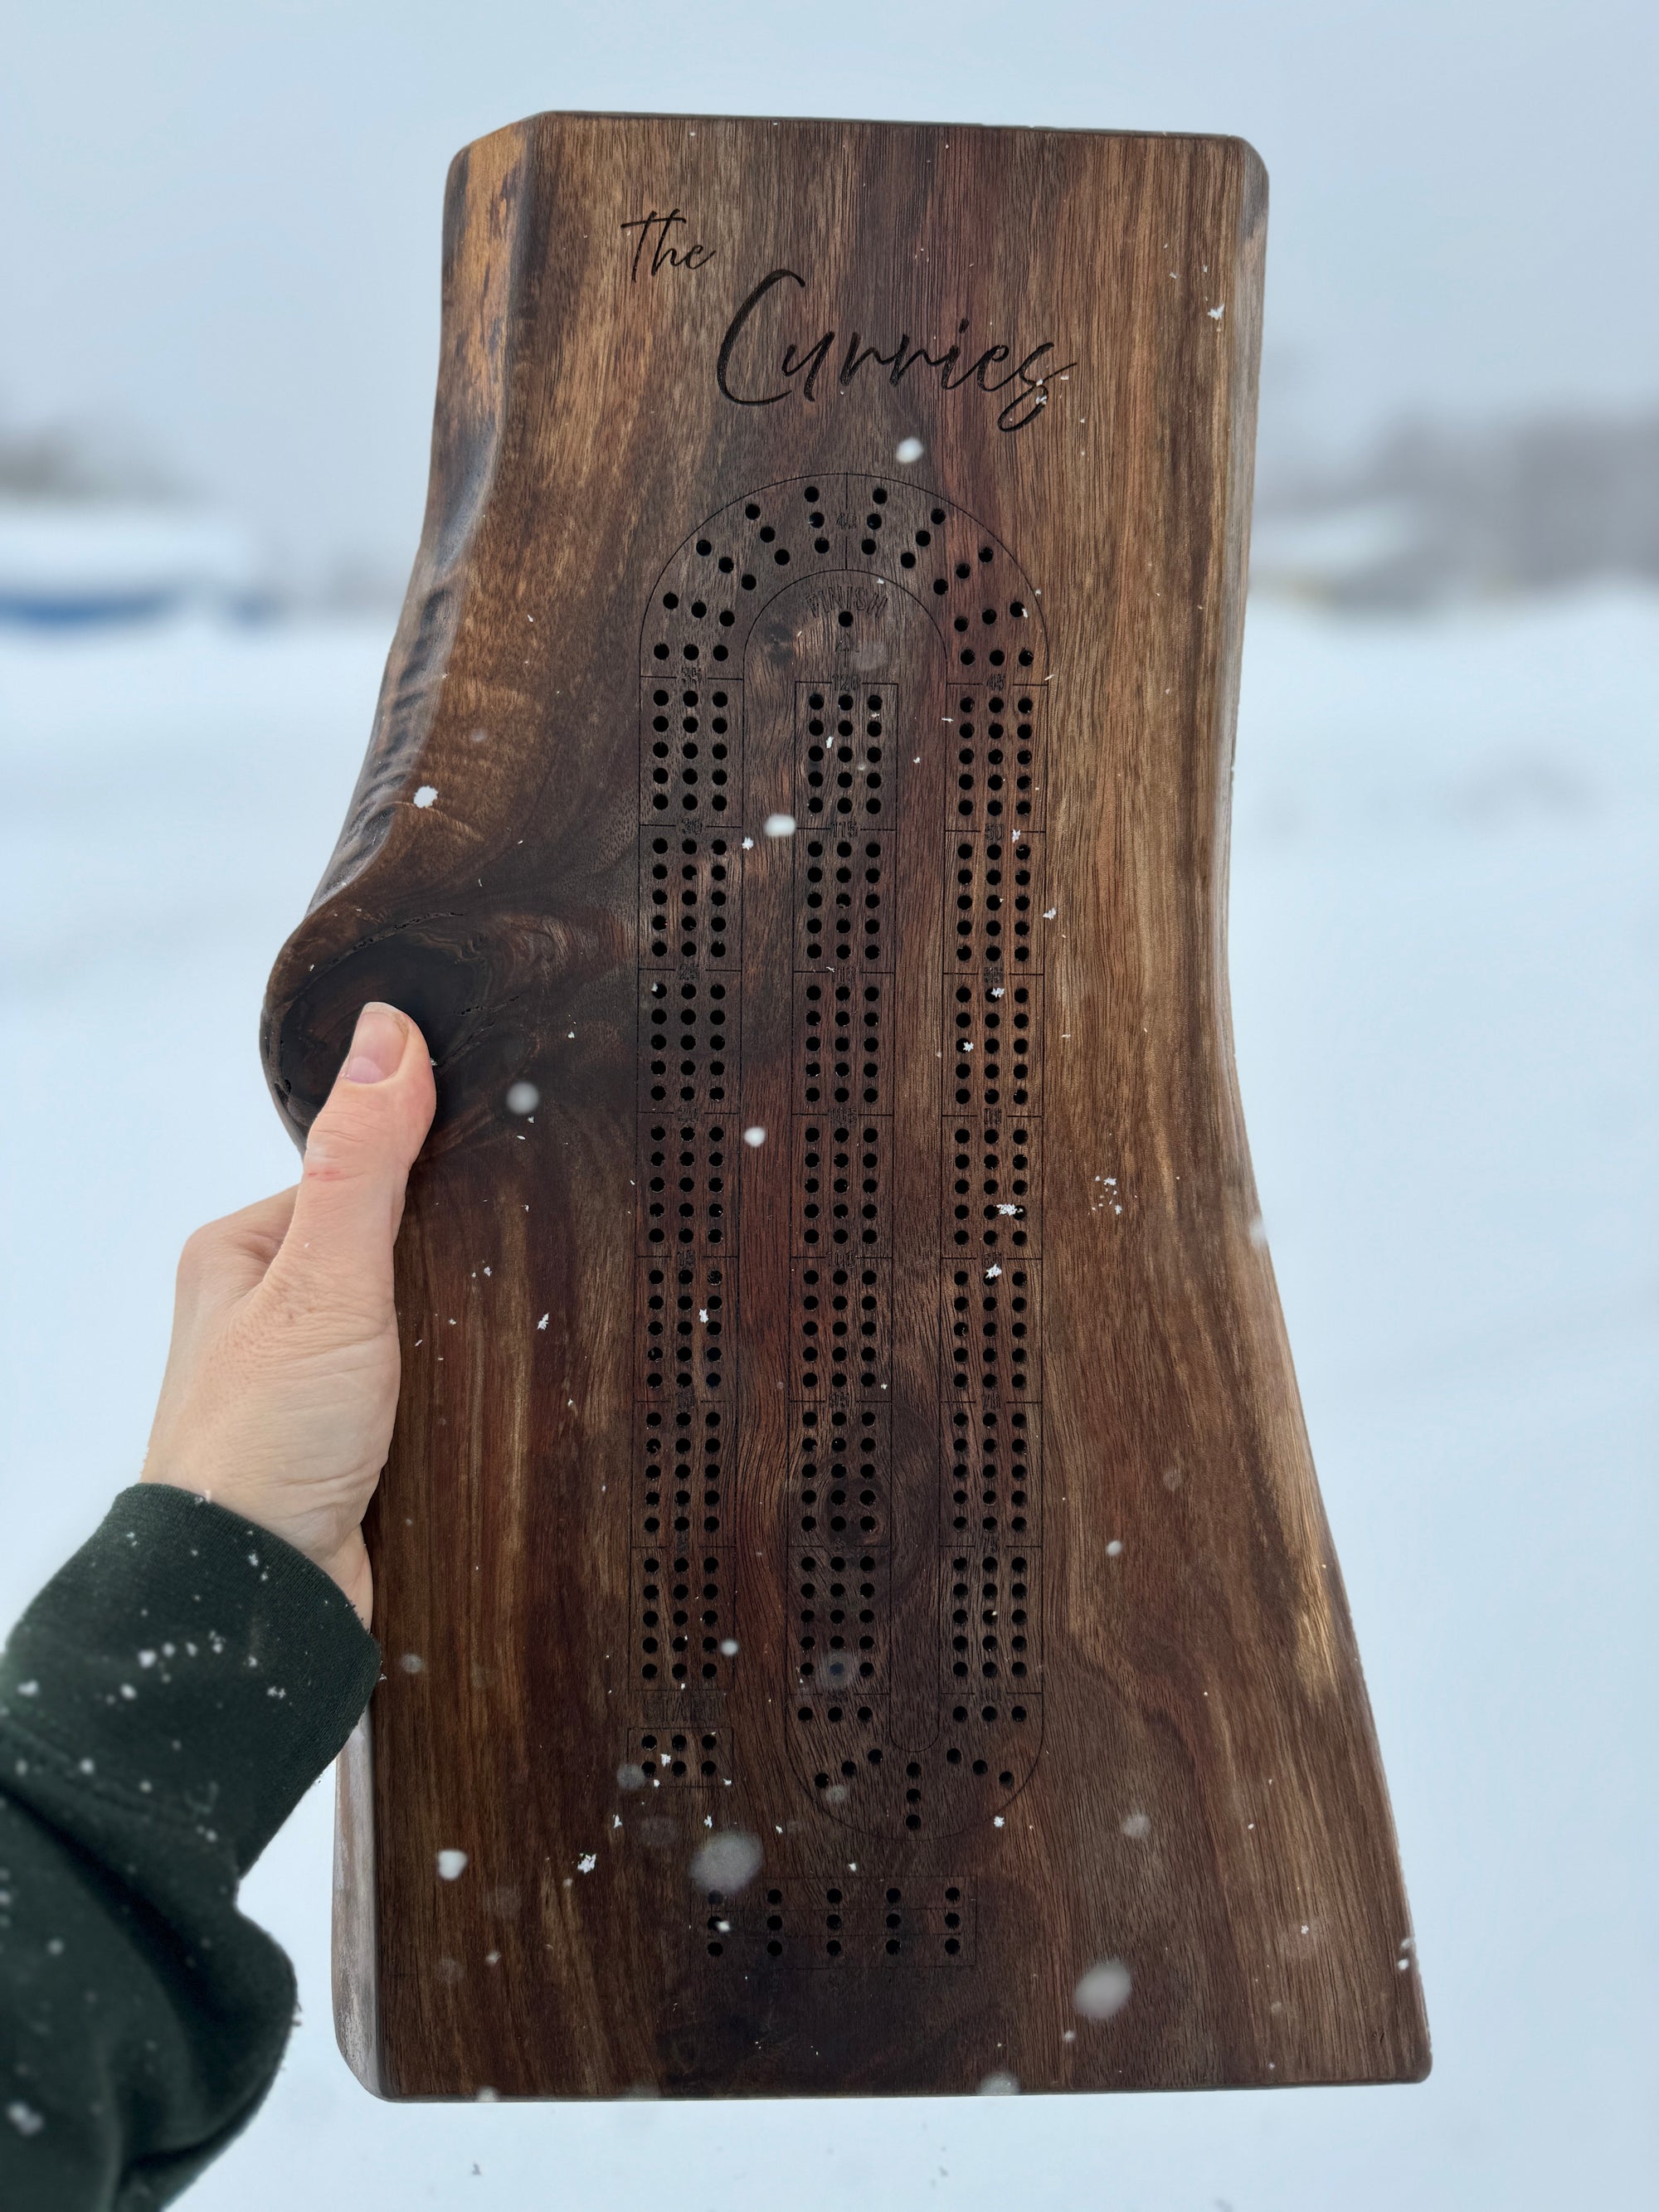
x=911, y=1575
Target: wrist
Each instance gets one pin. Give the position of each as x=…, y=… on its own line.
x=328, y=1539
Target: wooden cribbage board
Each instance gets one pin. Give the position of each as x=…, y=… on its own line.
x=850, y=1411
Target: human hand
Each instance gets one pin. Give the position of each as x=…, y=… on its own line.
x=282, y=1377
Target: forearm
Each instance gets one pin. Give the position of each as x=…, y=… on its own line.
x=164, y=1704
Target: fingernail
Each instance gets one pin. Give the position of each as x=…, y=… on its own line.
x=377, y=1045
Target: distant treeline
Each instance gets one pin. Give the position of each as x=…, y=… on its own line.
x=1430, y=512
x=1433, y=512
x=71, y=465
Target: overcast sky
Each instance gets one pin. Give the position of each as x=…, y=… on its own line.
x=222, y=217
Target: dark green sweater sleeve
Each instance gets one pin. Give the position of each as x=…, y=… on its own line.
x=164, y=1704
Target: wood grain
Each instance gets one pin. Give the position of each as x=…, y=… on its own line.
x=919, y=1492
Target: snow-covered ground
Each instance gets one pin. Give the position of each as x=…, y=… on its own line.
x=1445, y=977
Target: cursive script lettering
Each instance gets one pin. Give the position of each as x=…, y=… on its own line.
x=800, y=365
x=663, y=255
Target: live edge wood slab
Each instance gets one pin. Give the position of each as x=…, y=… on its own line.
x=851, y=1574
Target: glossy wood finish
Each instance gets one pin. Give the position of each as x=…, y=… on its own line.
x=918, y=1491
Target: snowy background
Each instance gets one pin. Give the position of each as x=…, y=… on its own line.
x=1446, y=966
x=219, y=270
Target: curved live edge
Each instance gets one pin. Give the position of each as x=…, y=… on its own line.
x=984, y=1582
x=356, y=2008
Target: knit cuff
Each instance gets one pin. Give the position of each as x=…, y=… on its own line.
x=189, y=1664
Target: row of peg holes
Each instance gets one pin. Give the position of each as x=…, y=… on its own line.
x=834, y=1919
x=689, y=1022
x=839, y=1323
x=990, y=1714
x=991, y=932
x=684, y=1319
x=992, y=896
x=996, y=890
x=977, y=1345
x=978, y=1477
x=840, y=1044
x=841, y=1196
x=998, y=1644
x=955, y=1759
x=985, y=1171
x=986, y=769
x=1004, y=1038
x=841, y=766
x=845, y=1463
x=697, y=761
x=680, y=1616
x=682, y=1471
x=1001, y=928
x=671, y=1756
x=769, y=556
x=683, y=1185
x=835, y=1637
x=688, y=894
x=842, y=910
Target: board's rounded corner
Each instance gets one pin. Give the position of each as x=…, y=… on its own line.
x=488, y=148
x=1253, y=175
x=362, y=2062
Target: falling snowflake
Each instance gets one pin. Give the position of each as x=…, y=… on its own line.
x=1103, y=1991
x=727, y=1861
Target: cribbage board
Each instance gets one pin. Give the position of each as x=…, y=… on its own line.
x=857, y=1608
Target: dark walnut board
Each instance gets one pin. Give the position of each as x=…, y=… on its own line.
x=922, y=1493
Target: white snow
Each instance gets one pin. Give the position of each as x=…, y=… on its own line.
x=450, y=1865
x=426, y=795
x=727, y=1861
x=58, y=558
x=1103, y=1991
x=1444, y=952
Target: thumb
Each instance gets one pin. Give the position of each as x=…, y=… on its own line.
x=337, y=1250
